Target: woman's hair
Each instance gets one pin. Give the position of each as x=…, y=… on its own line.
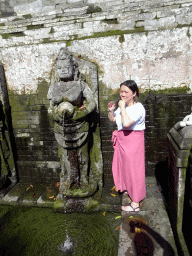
x=132, y=86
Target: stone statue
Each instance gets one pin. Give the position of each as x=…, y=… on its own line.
x=7, y=161
x=74, y=109
x=186, y=121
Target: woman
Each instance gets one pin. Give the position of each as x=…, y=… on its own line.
x=128, y=165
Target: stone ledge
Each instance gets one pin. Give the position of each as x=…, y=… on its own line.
x=55, y=27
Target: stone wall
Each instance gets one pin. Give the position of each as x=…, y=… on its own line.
x=148, y=41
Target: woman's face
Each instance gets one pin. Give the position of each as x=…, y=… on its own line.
x=127, y=95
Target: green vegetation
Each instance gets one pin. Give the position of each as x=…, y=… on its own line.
x=47, y=40
x=27, y=16
x=17, y=19
x=58, y=203
x=121, y=38
x=14, y=34
x=173, y=90
x=30, y=27
x=51, y=30
x=109, y=94
x=43, y=87
x=111, y=21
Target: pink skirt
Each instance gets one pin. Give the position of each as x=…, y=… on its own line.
x=128, y=165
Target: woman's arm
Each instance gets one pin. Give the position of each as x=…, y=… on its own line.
x=111, y=107
x=126, y=121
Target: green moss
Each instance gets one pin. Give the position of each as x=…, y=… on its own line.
x=121, y=38
x=47, y=40
x=58, y=203
x=76, y=192
x=43, y=87
x=2, y=24
x=114, y=33
x=111, y=21
x=143, y=95
x=139, y=29
x=14, y=34
x=51, y=30
x=27, y=16
x=91, y=204
x=68, y=43
x=109, y=94
x=17, y=19
x=95, y=154
x=31, y=27
x=179, y=90
x=156, y=18
x=4, y=210
x=89, y=234
x=20, y=103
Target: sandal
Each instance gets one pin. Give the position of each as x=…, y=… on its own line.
x=123, y=208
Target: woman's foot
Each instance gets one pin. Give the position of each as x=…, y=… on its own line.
x=131, y=208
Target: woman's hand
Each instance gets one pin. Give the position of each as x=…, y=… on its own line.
x=121, y=104
x=111, y=106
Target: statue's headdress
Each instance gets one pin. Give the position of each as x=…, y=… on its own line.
x=64, y=54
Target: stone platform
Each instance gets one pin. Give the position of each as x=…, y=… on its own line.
x=45, y=195
x=147, y=232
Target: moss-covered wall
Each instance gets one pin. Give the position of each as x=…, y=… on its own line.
x=163, y=109
x=36, y=146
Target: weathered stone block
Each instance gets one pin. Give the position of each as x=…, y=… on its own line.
x=184, y=19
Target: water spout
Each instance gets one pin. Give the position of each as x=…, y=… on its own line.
x=67, y=246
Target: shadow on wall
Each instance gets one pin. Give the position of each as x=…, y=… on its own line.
x=161, y=174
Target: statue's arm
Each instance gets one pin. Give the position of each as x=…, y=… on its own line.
x=88, y=106
x=90, y=103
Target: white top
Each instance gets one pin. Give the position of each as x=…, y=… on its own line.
x=136, y=113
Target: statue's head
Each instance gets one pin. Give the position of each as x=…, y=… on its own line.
x=65, y=65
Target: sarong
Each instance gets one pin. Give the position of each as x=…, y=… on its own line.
x=128, y=165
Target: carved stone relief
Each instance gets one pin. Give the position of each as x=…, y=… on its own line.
x=73, y=96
